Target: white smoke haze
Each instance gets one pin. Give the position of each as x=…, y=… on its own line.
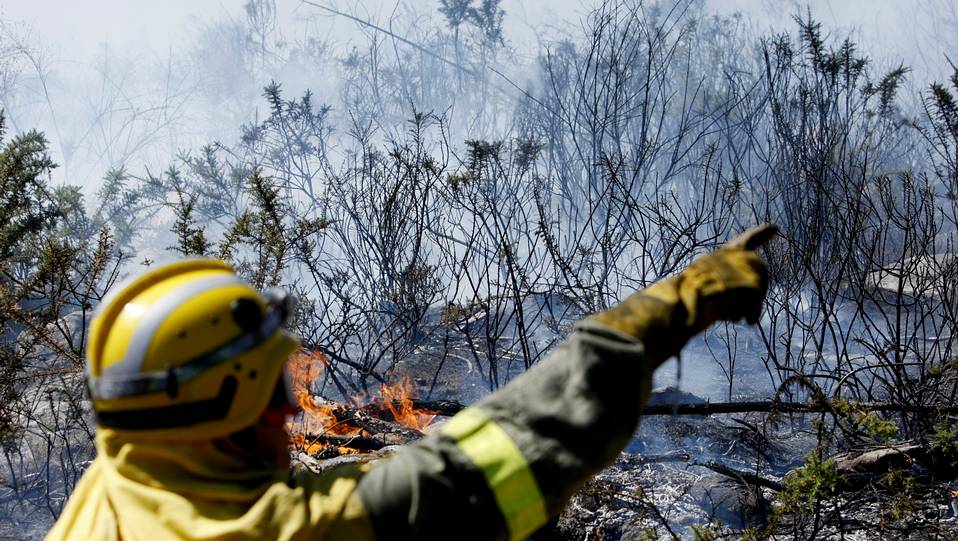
x=116, y=83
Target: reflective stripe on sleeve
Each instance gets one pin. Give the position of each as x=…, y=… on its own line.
x=505, y=468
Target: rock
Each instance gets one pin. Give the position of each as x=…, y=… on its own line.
x=734, y=503
x=667, y=396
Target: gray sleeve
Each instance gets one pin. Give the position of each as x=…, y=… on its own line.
x=569, y=416
x=572, y=414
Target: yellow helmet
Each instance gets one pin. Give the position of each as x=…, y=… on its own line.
x=187, y=351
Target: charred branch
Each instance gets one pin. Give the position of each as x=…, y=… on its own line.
x=450, y=407
x=358, y=442
x=742, y=476
x=772, y=406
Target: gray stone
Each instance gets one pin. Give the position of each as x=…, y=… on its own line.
x=732, y=502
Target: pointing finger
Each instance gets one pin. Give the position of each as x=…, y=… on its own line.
x=753, y=238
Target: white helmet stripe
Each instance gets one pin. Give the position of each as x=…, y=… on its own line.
x=132, y=362
x=120, y=286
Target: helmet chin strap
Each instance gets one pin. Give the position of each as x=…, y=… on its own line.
x=211, y=409
x=259, y=444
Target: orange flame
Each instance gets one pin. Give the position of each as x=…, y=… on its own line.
x=305, y=368
x=953, y=492
x=398, y=399
x=298, y=441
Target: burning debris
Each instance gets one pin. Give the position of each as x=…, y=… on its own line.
x=328, y=429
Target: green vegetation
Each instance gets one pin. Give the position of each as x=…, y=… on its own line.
x=873, y=425
x=809, y=485
x=944, y=443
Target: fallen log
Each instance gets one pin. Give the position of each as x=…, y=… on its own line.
x=375, y=425
x=920, y=459
x=877, y=461
x=628, y=460
x=449, y=408
x=320, y=465
x=444, y=408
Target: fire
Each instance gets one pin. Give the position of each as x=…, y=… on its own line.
x=298, y=440
x=953, y=492
x=398, y=399
x=305, y=368
x=320, y=419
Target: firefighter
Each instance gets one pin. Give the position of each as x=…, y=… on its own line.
x=185, y=369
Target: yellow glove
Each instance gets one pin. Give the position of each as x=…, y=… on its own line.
x=726, y=285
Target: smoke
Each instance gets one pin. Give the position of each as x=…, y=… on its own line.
x=113, y=84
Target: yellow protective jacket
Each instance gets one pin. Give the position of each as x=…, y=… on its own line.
x=498, y=470
x=159, y=492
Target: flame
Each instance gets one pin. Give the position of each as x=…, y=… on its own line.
x=398, y=399
x=304, y=369
x=298, y=441
x=319, y=417
x=953, y=492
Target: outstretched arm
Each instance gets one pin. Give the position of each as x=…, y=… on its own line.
x=501, y=468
